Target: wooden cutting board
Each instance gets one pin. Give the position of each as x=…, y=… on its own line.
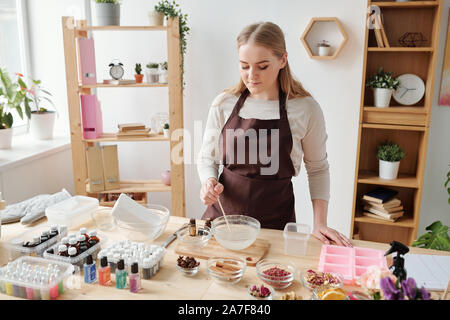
x=251, y=255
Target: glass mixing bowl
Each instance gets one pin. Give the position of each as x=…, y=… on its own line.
x=240, y=232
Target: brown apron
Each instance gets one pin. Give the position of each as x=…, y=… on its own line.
x=267, y=198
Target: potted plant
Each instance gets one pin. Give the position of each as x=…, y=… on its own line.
x=156, y=16
x=163, y=74
x=166, y=130
x=172, y=10
x=12, y=96
x=389, y=155
x=106, y=13
x=42, y=120
x=152, y=73
x=383, y=85
x=324, y=48
x=138, y=76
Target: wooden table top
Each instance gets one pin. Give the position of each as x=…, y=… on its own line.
x=170, y=284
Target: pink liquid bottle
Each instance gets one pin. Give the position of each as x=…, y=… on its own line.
x=135, y=278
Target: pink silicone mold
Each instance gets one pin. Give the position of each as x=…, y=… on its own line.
x=351, y=263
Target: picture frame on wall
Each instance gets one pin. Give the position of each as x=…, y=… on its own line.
x=444, y=95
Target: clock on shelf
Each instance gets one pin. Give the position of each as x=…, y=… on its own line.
x=411, y=89
x=116, y=70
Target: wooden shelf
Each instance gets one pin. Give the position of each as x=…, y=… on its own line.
x=112, y=137
x=408, y=126
x=409, y=4
x=395, y=115
x=395, y=109
x=403, y=180
x=311, y=25
x=400, y=49
x=403, y=222
x=134, y=85
x=79, y=146
x=393, y=127
x=122, y=28
x=136, y=186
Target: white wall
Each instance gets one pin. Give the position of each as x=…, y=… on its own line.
x=435, y=205
x=211, y=65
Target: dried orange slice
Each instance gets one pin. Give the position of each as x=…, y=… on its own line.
x=332, y=294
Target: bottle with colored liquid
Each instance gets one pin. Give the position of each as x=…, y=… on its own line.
x=104, y=272
x=93, y=239
x=121, y=275
x=83, y=231
x=53, y=231
x=72, y=252
x=62, y=251
x=135, y=278
x=90, y=271
x=82, y=243
x=73, y=243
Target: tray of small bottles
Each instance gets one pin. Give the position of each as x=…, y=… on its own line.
x=75, y=248
x=35, y=278
x=34, y=242
x=149, y=258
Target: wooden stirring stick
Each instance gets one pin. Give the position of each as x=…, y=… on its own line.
x=223, y=213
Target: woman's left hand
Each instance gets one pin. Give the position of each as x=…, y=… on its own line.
x=326, y=235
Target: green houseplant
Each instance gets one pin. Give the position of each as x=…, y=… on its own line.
x=172, y=10
x=12, y=97
x=138, y=76
x=383, y=85
x=436, y=238
x=389, y=155
x=152, y=73
x=42, y=120
x=106, y=12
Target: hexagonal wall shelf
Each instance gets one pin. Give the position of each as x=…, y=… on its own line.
x=320, y=29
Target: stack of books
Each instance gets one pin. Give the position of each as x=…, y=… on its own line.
x=381, y=203
x=133, y=130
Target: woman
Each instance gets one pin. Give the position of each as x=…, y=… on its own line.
x=259, y=131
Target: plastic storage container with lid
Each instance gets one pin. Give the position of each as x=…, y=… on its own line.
x=16, y=248
x=72, y=212
x=296, y=236
x=35, y=278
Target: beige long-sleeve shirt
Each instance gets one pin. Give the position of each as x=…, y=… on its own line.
x=308, y=135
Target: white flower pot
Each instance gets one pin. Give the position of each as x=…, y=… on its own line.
x=166, y=133
x=388, y=170
x=382, y=97
x=152, y=76
x=42, y=124
x=163, y=76
x=106, y=14
x=6, y=138
x=324, y=51
x=155, y=18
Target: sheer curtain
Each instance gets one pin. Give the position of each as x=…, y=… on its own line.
x=14, y=44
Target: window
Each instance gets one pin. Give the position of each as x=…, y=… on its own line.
x=14, y=54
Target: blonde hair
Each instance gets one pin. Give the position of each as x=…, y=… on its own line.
x=271, y=36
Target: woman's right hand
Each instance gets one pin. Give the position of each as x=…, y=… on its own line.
x=210, y=191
